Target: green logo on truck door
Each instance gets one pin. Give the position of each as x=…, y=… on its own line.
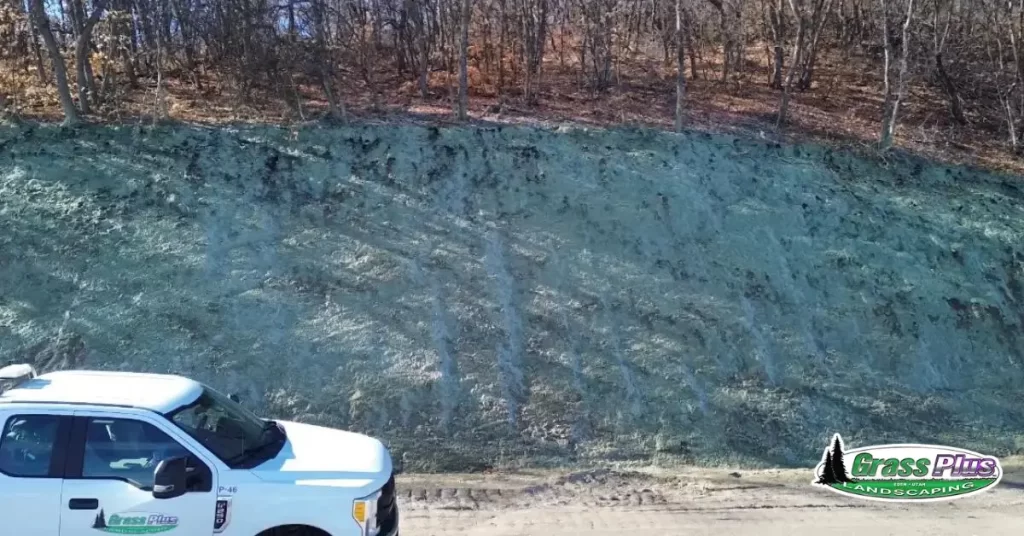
x=906, y=472
x=135, y=523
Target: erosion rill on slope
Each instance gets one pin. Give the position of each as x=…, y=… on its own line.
x=494, y=295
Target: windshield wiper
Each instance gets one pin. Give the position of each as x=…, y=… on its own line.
x=268, y=426
x=248, y=453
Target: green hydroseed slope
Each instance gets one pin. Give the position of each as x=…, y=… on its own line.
x=488, y=296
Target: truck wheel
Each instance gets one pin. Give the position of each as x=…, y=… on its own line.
x=293, y=530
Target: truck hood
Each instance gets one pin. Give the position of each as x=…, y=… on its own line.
x=333, y=457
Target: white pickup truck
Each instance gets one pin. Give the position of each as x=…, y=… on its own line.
x=88, y=452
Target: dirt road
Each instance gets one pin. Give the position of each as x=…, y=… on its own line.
x=690, y=502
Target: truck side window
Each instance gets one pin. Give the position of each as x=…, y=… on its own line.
x=26, y=445
x=125, y=449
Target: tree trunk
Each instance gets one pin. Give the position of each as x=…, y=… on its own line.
x=158, y=102
x=690, y=38
x=666, y=48
x=886, y=63
x=955, y=108
x=184, y=21
x=126, y=42
x=727, y=35
x=1010, y=121
x=1015, y=25
x=502, y=37
x=420, y=55
x=42, y=24
x=561, y=40
x=542, y=33
x=37, y=53
x=147, y=35
x=534, y=31
x=324, y=63
x=798, y=13
x=86, y=91
x=777, y=18
x=77, y=16
x=893, y=100
x=292, y=30
x=821, y=15
x=526, y=14
x=108, y=80
x=463, y=67
x=680, y=67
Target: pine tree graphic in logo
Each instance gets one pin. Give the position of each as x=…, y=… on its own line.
x=101, y=521
x=827, y=475
x=833, y=469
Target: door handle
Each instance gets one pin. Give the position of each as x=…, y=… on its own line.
x=84, y=504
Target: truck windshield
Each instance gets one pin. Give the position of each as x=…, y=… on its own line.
x=237, y=436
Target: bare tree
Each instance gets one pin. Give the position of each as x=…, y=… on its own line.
x=777, y=27
x=971, y=50
x=893, y=96
x=534, y=14
x=731, y=18
x=83, y=73
x=42, y=23
x=1009, y=20
x=819, y=15
x=463, y=60
x=797, y=8
x=940, y=34
x=597, y=19
x=321, y=54
x=680, y=68
x=422, y=59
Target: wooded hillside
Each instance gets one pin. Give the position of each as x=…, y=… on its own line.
x=944, y=77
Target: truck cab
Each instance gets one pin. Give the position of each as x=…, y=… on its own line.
x=88, y=452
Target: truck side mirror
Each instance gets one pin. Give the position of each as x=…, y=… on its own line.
x=170, y=478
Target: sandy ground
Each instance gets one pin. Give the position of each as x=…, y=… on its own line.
x=693, y=502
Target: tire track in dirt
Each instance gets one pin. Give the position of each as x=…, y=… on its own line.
x=606, y=488
x=606, y=503
x=494, y=498
x=586, y=488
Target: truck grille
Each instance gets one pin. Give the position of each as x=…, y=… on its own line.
x=387, y=508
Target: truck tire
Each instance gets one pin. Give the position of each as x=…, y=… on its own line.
x=293, y=530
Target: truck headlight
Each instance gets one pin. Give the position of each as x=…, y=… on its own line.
x=364, y=512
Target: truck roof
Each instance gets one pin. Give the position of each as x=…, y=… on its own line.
x=155, y=392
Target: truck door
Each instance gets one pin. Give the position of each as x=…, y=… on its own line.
x=108, y=484
x=32, y=449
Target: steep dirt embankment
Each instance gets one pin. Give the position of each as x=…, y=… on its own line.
x=473, y=296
